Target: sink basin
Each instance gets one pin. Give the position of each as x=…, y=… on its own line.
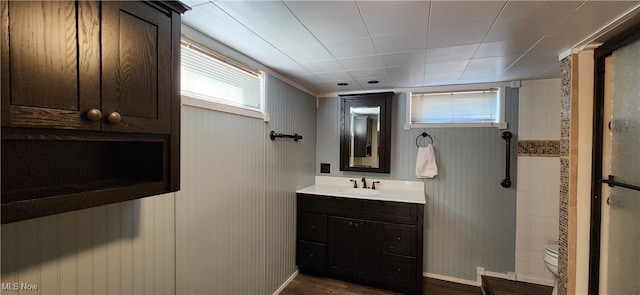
x=360, y=192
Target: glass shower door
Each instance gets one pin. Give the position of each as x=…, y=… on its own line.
x=620, y=256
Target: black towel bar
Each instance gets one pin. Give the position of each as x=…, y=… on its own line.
x=273, y=135
x=506, y=182
x=611, y=182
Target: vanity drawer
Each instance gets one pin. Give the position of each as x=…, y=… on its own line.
x=399, y=271
x=359, y=208
x=311, y=256
x=399, y=239
x=313, y=227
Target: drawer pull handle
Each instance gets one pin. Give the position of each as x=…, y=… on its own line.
x=398, y=269
x=94, y=115
x=114, y=118
x=313, y=227
x=398, y=238
x=311, y=255
x=350, y=223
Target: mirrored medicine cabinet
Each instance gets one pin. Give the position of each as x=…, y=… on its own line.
x=365, y=132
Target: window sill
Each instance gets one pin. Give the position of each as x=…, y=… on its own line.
x=214, y=106
x=502, y=125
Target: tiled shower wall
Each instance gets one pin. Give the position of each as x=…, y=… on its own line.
x=538, y=178
x=565, y=173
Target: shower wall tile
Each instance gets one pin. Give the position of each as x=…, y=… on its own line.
x=539, y=149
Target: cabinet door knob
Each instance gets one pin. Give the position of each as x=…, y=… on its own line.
x=313, y=227
x=94, y=115
x=114, y=118
x=350, y=223
x=399, y=270
x=398, y=238
x=311, y=255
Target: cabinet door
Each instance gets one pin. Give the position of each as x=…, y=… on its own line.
x=136, y=59
x=366, y=250
x=340, y=241
x=50, y=64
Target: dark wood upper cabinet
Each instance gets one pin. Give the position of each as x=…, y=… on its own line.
x=50, y=64
x=136, y=79
x=90, y=103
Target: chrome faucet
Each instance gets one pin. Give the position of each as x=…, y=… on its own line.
x=364, y=183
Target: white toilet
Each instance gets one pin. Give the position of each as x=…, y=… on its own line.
x=551, y=262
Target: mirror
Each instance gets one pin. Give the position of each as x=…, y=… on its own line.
x=365, y=132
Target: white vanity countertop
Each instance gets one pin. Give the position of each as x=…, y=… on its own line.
x=386, y=190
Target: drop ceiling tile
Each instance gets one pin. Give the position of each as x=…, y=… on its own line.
x=593, y=15
x=447, y=13
x=368, y=73
x=308, y=53
x=505, y=48
x=330, y=21
x=403, y=58
x=351, y=48
x=361, y=62
x=534, y=62
x=406, y=76
x=329, y=65
x=211, y=20
x=446, y=66
x=486, y=63
x=400, y=42
x=270, y=20
x=458, y=34
x=334, y=77
x=483, y=74
x=553, y=45
x=383, y=83
x=451, y=53
x=392, y=17
x=353, y=86
x=518, y=16
x=444, y=78
x=551, y=73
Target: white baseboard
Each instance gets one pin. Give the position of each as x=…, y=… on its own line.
x=452, y=279
x=284, y=285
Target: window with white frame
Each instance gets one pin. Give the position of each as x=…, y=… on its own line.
x=213, y=77
x=468, y=108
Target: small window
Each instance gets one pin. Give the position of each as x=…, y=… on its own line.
x=456, y=108
x=211, y=76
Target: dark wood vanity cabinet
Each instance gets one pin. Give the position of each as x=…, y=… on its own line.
x=378, y=243
x=90, y=103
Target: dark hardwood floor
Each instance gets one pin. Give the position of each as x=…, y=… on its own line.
x=496, y=286
x=312, y=285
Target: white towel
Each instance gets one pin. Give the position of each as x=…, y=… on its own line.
x=426, y=162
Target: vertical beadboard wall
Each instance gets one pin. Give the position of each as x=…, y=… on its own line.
x=290, y=166
x=235, y=213
x=470, y=220
x=124, y=248
x=219, y=215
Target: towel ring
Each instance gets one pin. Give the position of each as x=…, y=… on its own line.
x=424, y=134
